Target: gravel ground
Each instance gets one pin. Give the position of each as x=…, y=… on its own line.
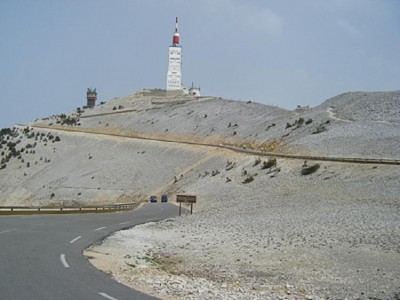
x=333, y=234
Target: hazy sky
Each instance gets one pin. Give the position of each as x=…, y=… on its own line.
x=279, y=52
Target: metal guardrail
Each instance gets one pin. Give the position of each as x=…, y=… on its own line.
x=65, y=209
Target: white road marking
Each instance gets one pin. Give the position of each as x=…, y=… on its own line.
x=99, y=228
x=8, y=230
x=64, y=262
x=107, y=296
x=124, y=223
x=75, y=239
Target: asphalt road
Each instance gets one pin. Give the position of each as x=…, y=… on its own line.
x=41, y=255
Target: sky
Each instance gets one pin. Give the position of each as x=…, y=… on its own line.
x=277, y=52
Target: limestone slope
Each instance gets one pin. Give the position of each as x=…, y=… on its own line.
x=86, y=168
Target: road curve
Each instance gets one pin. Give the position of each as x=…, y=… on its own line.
x=41, y=256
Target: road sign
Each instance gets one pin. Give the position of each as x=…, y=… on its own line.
x=185, y=199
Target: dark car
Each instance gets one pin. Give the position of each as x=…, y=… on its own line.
x=164, y=198
x=153, y=199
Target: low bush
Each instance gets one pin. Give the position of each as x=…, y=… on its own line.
x=306, y=170
x=257, y=162
x=214, y=173
x=248, y=179
x=269, y=164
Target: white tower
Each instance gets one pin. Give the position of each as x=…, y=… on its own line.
x=174, y=75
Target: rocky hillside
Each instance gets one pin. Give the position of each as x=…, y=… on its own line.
x=352, y=124
x=51, y=165
x=263, y=228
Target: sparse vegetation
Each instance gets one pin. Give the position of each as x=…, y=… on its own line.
x=63, y=119
x=214, y=173
x=269, y=164
x=248, y=179
x=229, y=165
x=307, y=170
x=257, y=161
x=270, y=126
x=298, y=123
x=274, y=172
x=319, y=129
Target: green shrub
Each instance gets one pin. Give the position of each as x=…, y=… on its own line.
x=269, y=164
x=5, y=131
x=306, y=170
x=214, y=173
x=248, y=179
x=257, y=162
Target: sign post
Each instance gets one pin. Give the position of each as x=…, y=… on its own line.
x=185, y=199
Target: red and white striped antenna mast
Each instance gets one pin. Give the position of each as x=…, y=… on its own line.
x=175, y=38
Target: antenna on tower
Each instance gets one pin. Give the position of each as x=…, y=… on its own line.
x=175, y=38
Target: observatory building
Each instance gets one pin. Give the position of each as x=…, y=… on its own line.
x=174, y=75
x=91, y=97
